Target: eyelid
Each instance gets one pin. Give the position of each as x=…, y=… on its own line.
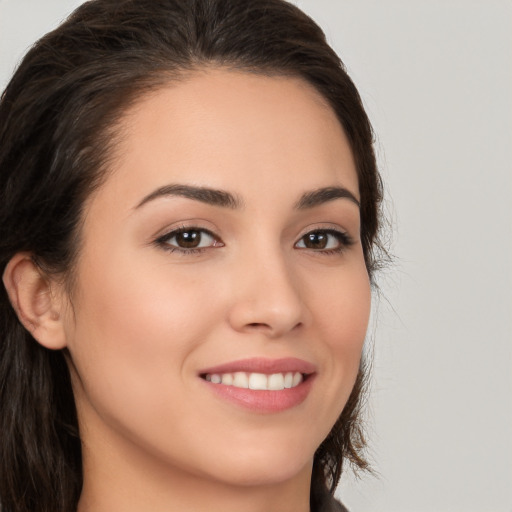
x=197, y=223
x=327, y=227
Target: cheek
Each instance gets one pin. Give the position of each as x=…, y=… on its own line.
x=341, y=310
x=342, y=307
x=127, y=306
x=134, y=331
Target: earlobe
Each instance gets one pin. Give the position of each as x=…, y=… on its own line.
x=36, y=301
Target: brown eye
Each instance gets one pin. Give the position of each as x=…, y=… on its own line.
x=324, y=240
x=316, y=240
x=189, y=239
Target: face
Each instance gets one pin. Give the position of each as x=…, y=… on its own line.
x=222, y=252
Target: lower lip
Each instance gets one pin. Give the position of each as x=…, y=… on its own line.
x=262, y=400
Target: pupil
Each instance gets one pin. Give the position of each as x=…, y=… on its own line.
x=188, y=239
x=316, y=241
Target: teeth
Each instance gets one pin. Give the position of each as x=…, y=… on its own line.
x=276, y=381
x=257, y=381
x=227, y=379
x=297, y=379
x=240, y=380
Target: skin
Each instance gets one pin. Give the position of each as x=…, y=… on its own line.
x=142, y=321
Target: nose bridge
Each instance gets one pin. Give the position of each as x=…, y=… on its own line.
x=268, y=294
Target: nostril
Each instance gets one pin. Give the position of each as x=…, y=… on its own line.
x=260, y=326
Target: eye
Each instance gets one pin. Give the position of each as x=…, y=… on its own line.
x=189, y=240
x=325, y=240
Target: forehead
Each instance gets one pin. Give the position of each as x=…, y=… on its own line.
x=232, y=130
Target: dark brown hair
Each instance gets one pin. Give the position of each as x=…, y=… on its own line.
x=57, y=130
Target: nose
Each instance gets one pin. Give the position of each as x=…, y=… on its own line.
x=266, y=297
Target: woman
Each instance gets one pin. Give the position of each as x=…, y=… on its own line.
x=189, y=215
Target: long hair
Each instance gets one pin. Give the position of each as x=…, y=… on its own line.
x=58, y=118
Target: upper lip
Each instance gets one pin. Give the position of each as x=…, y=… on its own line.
x=263, y=365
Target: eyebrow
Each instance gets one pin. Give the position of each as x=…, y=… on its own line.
x=226, y=199
x=205, y=195
x=324, y=195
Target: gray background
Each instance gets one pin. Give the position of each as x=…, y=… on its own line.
x=436, y=78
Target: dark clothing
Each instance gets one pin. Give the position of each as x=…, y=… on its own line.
x=329, y=504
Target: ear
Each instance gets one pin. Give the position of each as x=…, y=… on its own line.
x=37, y=300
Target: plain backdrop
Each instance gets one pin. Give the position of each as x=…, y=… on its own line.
x=436, y=79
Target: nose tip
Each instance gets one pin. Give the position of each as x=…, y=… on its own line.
x=267, y=301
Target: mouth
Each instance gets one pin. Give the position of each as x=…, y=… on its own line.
x=260, y=384
x=257, y=381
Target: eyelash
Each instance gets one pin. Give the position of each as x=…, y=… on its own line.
x=343, y=238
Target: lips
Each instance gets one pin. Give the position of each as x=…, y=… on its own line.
x=263, y=365
x=260, y=384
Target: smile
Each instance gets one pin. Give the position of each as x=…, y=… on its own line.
x=261, y=385
x=257, y=381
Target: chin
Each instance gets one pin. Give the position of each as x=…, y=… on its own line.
x=246, y=467
x=265, y=476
